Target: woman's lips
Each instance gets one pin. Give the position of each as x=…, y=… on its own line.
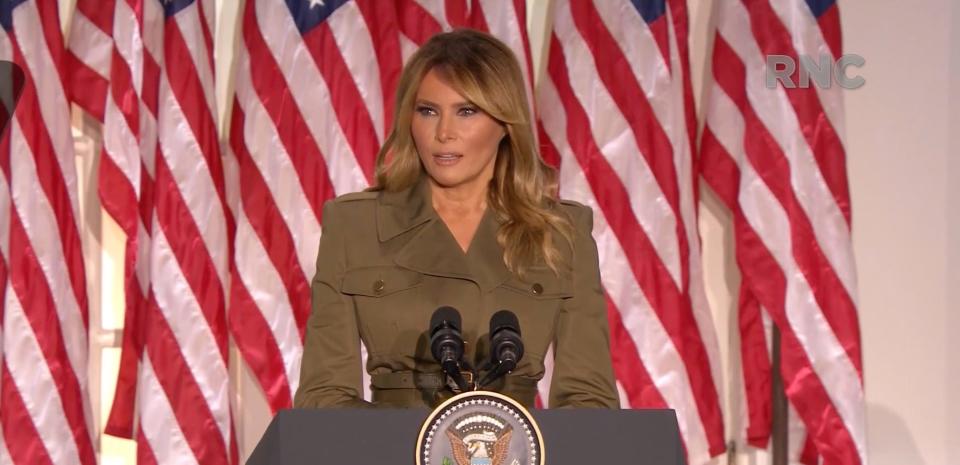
x=446, y=159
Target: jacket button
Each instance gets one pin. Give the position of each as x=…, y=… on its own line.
x=537, y=289
x=378, y=286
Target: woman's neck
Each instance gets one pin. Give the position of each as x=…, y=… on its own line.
x=460, y=200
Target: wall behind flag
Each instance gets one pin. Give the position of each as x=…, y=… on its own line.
x=953, y=228
x=903, y=145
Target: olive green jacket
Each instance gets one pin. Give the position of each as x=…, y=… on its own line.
x=387, y=262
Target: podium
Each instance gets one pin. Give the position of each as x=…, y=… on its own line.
x=389, y=436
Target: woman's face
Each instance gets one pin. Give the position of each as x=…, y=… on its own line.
x=457, y=142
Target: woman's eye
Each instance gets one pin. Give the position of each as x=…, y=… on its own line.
x=425, y=111
x=467, y=111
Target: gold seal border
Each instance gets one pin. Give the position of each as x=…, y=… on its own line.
x=465, y=395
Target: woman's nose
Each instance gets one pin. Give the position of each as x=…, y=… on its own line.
x=445, y=129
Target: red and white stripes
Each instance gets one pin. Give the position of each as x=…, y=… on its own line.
x=284, y=179
x=186, y=346
x=776, y=159
x=163, y=181
x=614, y=113
x=45, y=416
x=110, y=52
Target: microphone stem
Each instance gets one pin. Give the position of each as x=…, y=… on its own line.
x=453, y=370
x=501, y=369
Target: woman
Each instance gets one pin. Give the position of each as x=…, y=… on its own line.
x=462, y=215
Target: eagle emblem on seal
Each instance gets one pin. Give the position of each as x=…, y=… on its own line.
x=480, y=440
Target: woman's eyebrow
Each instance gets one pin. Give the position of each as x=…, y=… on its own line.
x=461, y=103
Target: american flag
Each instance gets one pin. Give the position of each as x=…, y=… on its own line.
x=776, y=159
x=315, y=84
x=44, y=409
x=146, y=67
x=102, y=74
x=617, y=115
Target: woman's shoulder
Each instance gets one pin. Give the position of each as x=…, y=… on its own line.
x=353, y=200
x=572, y=206
x=350, y=207
x=579, y=214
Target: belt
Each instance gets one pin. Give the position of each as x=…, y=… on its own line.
x=435, y=387
x=414, y=380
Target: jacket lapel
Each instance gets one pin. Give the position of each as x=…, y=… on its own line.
x=486, y=255
x=432, y=249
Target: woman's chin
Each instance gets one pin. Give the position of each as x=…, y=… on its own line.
x=447, y=182
x=446, y=177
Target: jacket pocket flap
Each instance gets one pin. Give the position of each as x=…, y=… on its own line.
x=378, y=281
x=542, y=283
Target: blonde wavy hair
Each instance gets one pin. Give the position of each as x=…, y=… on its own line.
x=523, y=189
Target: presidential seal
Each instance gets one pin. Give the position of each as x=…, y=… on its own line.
x=480, y=428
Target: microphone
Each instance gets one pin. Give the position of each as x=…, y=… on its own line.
x=446, y=343
x=506, y=346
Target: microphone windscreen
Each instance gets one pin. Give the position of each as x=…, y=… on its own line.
x=504, y=319
x=445, y=313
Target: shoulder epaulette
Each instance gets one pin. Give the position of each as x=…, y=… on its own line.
x=362, y=195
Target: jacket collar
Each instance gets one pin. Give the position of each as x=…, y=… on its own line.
x=432, y=249
x=403, y=210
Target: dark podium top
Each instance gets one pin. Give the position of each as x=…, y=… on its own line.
x=375, y=436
